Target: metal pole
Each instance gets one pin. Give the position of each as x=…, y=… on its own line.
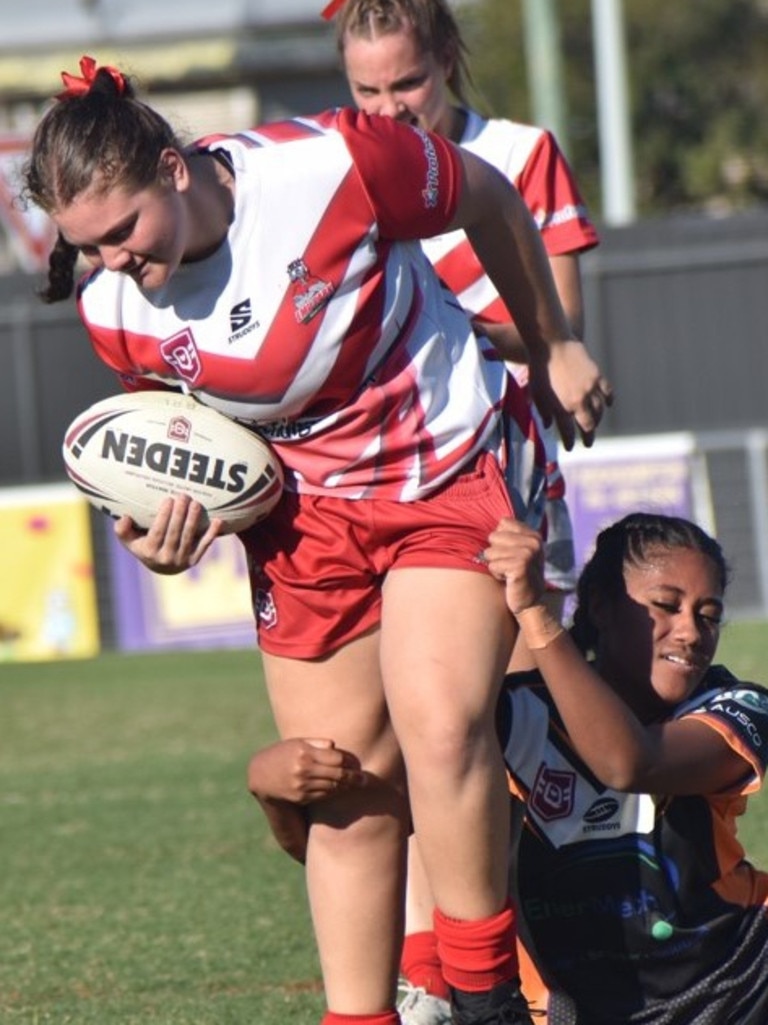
x=613, y=112
x=544, y=66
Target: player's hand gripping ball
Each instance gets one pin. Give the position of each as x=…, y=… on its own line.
x=129, y=452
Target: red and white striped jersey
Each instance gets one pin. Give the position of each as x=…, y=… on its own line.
x=319, y=320
x=531, y=159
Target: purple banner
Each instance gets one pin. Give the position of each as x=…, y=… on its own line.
x=656, y=473
x=208, y=606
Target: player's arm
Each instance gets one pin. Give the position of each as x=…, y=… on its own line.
x=565, y=380
x=506, y=337
x=681, y=756
x=291, y=774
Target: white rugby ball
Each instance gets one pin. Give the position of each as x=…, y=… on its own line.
x=129, y=452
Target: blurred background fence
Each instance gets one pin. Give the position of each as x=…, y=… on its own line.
x=676, y=314
x=676, y=303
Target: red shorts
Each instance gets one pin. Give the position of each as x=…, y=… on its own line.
x=317, y=563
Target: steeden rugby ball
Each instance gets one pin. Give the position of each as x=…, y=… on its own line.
x=129, y=452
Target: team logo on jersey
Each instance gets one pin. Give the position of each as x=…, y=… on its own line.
x=264, y=608
x=431, y=190
x=180, y=352
x=310, y=293
x=553, y=793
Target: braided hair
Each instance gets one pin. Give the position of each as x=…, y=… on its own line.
x=96, y=137
x=433, y=25
x=631, y=541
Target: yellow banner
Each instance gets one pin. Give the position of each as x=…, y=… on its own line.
x=48, y=605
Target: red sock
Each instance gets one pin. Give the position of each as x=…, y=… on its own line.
x=420, y=964
x=478, y=955
x=382, y=1018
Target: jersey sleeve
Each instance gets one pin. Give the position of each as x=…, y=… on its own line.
x=548, y=186
x=412, y=177
x=739, y=713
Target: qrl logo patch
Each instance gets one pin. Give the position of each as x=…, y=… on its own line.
x=552, y=794
x=179, y=428
x=180, y=352
x=264, y=607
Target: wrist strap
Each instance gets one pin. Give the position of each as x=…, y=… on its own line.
x=539, y=627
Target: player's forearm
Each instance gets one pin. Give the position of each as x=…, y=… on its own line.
x=288, y=823
x=606, y=733
x=505, y=339
x=502, y=232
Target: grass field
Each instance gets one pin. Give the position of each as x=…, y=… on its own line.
x=137, y=880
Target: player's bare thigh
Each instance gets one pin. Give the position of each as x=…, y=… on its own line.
x=339, y=697
x=446, y=639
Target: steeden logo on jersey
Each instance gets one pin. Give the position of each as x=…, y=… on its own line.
x=240, y=321
x=310, y=293
x=597, y=817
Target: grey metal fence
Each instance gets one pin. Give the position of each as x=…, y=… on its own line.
x=677, y=313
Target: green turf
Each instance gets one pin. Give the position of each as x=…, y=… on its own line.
x=137, y=880
x=138, y=883
x=744, y=649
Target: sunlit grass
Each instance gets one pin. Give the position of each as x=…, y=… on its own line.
x=138, y=882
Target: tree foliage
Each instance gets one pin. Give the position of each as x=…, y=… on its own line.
x=698, y=85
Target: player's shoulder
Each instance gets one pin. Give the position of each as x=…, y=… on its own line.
x=723, y=696
x=501, y=132
x=268, y=134
x=100, y=290
x=508, y=145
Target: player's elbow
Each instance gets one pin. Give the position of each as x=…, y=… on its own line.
x=623, y=772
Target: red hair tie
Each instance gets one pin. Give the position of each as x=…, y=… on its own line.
x=331, y=9
x=80, y=86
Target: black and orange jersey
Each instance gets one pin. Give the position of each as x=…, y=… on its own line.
x=643, y=909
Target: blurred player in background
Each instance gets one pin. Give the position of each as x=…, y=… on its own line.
x=406, y=59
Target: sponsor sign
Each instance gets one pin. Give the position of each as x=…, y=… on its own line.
x=207, y=606
x=48, y=605
x=655, y=473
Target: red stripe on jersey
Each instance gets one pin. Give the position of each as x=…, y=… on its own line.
x=144, y=358
x=291, y=130
x=549, y=189
x=460, y=269
x=277, y=131
x=288, y=343
x=347, y=375
x=402, y=423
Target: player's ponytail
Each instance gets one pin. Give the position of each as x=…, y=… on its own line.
x=61, y=272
